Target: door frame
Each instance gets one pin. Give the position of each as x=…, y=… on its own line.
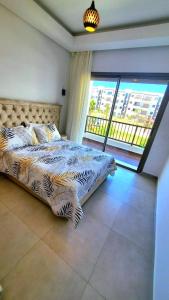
x=111, y=112
x=165, y=101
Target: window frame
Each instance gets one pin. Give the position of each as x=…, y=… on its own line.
x=152, y=76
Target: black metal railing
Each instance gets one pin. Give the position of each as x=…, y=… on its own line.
x=124, y=132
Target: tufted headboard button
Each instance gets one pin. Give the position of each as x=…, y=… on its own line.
x=13, y=112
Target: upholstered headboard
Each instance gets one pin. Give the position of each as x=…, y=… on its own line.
x=13, y=112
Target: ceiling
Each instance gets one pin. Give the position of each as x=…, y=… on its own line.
x=118, y=28
x=113, y=13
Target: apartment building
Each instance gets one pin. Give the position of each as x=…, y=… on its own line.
x=128, y=102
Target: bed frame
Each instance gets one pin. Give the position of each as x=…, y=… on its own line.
x=82, y=200
x=13, y=112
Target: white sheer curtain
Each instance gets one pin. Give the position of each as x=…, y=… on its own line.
x=80, y=72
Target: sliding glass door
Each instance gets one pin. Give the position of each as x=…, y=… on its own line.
x=135, y=111
x=122, y=114
x=101, y=99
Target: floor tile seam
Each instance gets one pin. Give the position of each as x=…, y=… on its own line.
x=137, y=209
x=33, y=231
x=103, y=296
x=25, y=224
x=75, y=271
x=97, y=291
x=109, y=193
x=98, y=220
x=98, y=258
x=153, y=193
x=21, y=221
x=19, y=260
x=139, y=248
x=83, y=290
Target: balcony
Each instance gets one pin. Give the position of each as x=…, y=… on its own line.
x=125, y=141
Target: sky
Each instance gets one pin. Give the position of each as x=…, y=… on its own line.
x=144, y=87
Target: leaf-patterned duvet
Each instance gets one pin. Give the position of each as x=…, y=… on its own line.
x=60, y=172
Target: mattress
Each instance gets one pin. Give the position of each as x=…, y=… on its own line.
x=60, y=172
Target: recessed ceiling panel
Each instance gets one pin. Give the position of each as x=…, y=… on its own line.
x=113, y=13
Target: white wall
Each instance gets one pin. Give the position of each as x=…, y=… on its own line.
x=32, y=67
x=155, y=59
x=160, y=148
x=161, y=267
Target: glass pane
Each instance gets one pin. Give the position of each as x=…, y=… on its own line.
x=135, y=111
x=100, y=103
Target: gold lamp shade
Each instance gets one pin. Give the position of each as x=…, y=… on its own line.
x=91, y=18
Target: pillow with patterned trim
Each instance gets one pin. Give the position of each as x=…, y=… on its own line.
x=12, y=138
x=47, y=133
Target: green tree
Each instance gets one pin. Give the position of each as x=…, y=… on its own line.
x=107, y=110
x=92, y=105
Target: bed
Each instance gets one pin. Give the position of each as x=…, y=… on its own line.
x=61, y=173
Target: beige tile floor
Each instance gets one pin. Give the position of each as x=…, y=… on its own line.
x=109, y=256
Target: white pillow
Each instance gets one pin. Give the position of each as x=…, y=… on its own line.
x=11, y=138
x=47, y=133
